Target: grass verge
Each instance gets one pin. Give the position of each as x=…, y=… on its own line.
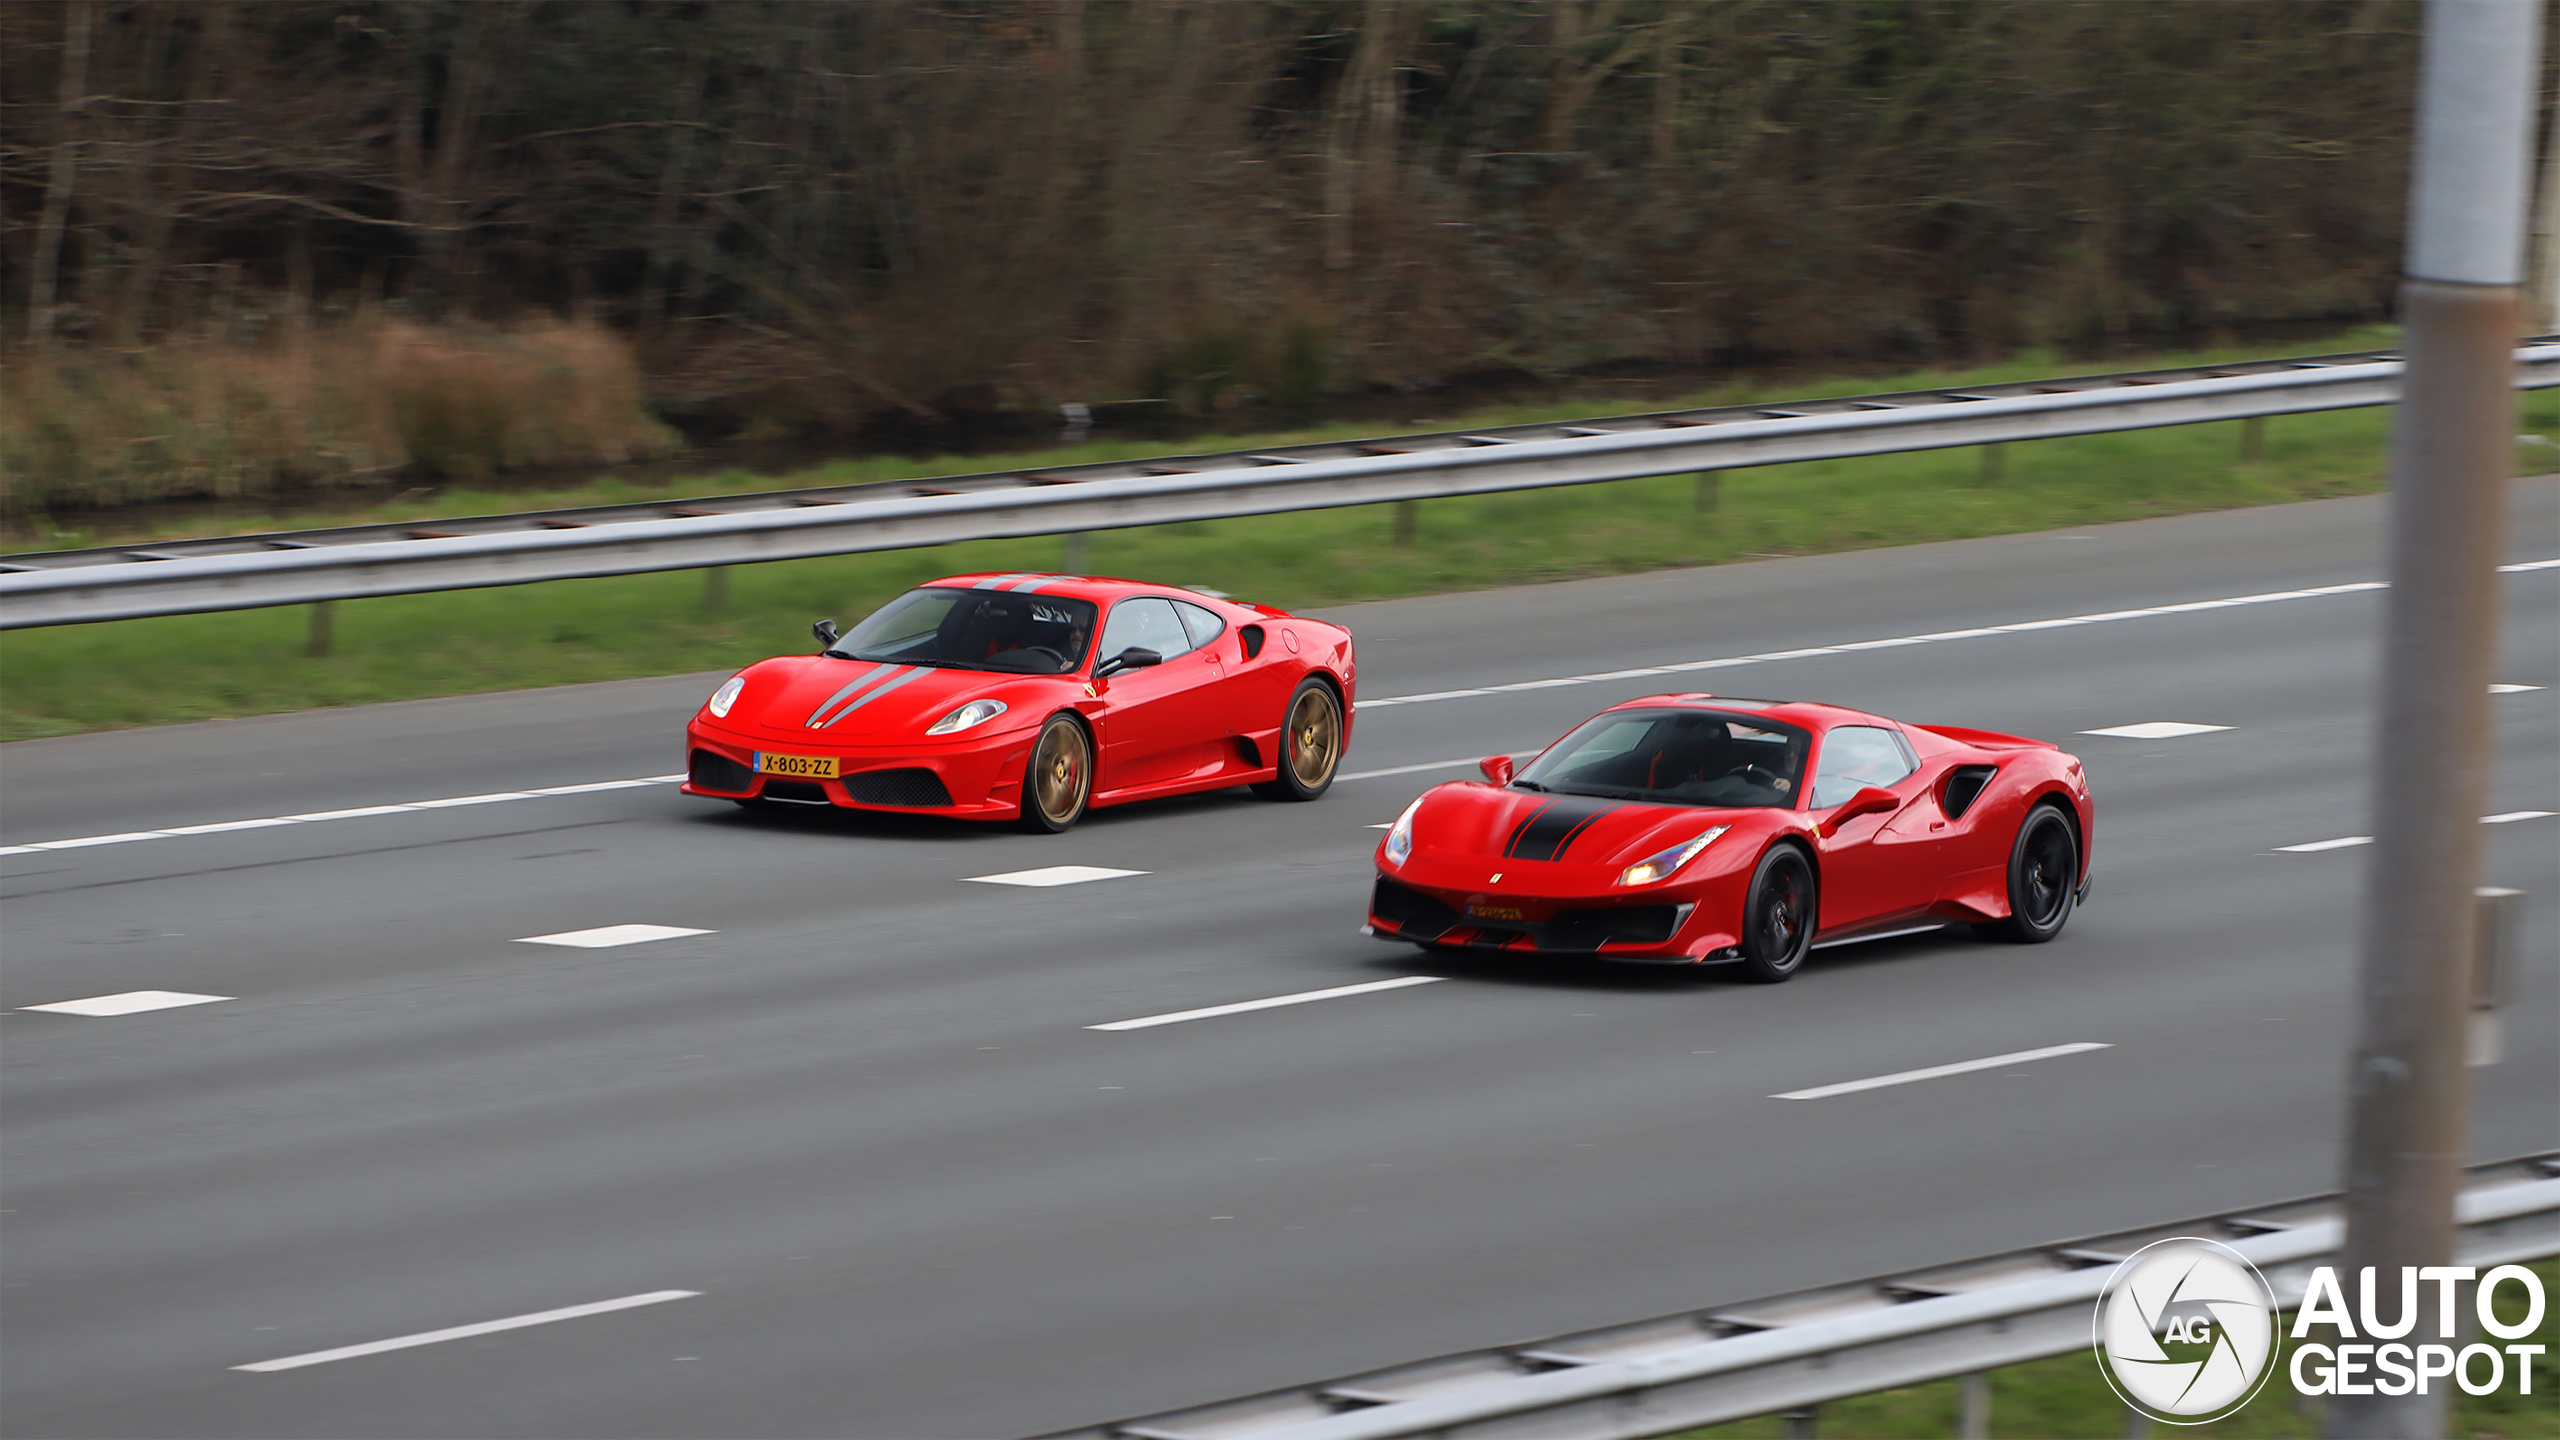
x=145, y=672
x=2065, y=1398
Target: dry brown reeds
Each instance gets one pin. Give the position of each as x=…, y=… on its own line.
x=97, y=428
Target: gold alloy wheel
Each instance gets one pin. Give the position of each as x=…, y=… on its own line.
x=1315, y=737
x=1060, y=771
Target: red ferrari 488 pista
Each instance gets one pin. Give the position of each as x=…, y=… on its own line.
x=1699, y=830
x=1031, y=698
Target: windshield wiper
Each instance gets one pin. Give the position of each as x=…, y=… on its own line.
x=1529, y=785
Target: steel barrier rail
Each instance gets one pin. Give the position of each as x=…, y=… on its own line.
x=1705, y=1367
x=1159, y=464
x=35, y=595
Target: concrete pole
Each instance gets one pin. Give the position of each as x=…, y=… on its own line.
x=2452, y=449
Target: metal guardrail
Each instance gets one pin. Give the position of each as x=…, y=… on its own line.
x=241, y=573
x=1785, y=1352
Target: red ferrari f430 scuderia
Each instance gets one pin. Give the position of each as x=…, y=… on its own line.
x=1699, y=830
x=1032, y=698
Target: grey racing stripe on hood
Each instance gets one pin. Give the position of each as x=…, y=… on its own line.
x=916, y=674
x=838, y=698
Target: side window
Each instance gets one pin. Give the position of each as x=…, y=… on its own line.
x=1202, y=622
x=1146, y=622
x=1855, y=757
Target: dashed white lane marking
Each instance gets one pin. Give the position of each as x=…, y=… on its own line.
x=1049, y=875
x=1905, y=1077
x=2512, y=689
x=1240, y=1007
x=131, y=1002
x=2156, y=730
x=2342, y=842
x=315, y=816
x=465, y=1332
x=605, y=937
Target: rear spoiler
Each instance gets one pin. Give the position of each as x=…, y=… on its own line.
x=1988, y=739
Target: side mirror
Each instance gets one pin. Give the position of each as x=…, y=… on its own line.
x=825, y=630
x=1496, y=768
x=1136, y=657
x=1870, y=801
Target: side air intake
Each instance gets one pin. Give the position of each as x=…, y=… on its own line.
x=1965, y=783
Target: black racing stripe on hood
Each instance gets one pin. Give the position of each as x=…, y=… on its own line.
x=1546, y=832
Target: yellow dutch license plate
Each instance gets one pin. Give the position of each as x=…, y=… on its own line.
x=1491, y=912
x=798, y=767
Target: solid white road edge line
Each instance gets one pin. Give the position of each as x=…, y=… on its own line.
x=2019, y=627
x=2344, y=841
x=315, y=816
x=1992, y=1062
x=1847, y=647
x=465, y=1332
x=1302, y=997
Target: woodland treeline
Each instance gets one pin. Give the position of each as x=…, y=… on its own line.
x=857, y=210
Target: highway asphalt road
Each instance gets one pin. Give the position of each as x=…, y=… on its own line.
x=861, y=1117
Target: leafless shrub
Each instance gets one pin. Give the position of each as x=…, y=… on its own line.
x=203, y=419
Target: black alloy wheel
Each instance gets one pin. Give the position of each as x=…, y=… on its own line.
x=1058, y=781
x=1310, y=744
x=2044, y=879
x=1778, y=916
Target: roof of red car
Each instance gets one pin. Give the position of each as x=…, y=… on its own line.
x=1809, y=714
x=1085, y=587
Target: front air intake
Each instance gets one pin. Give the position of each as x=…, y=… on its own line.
x=913, y=789
x=709, y=771
x=1413, y=913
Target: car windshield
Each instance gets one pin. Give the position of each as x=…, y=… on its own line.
x=1675, y=757
x=975, y=630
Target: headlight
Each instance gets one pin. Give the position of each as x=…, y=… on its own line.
x=1400, y=835
x=976, y=712
x=1668, y=863
x=727, y=695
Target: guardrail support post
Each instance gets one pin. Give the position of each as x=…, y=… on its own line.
x=2452, y=449
x=1407, y=520
x=2493, y=968
x=2253, y=438
x=2137, y=1426
x=1995, y=463
x=1798, y=1424
x=1079, y=554
x=1973, y=1406
x=715, y=589
x=1710, y=491
x=324, y=628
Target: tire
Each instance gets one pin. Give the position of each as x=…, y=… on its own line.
x=1778, y=916
x=1310, y=744
x=1057, y=781
x=2044, y=879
